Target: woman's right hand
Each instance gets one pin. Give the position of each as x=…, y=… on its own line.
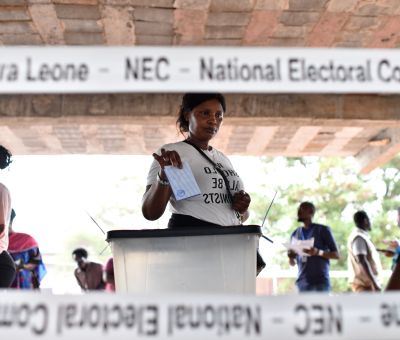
x=157, y=196
x=168, y=157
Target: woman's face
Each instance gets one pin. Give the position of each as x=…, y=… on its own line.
x=205, y=119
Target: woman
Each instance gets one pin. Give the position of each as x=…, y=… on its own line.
x=25, y=252
x=200, y=118
x=7, y=266
x=108, y=275
x=222, y=202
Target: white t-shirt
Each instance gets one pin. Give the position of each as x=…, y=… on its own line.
x=359, y=247
x=214, y=204
x=5, y=213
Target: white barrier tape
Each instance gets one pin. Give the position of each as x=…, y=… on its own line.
x=115, y=316
x=189, y=69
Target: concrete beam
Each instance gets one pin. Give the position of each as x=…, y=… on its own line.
x=342, y=138
x=47, y=23
x=271, y=125
x=359, y=110
x=301, y=138
x=373, y=156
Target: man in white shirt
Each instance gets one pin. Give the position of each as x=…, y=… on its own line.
x=7, y=266
x=363, y=261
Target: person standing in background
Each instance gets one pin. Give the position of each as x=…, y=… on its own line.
x=394, y=245
x=313, y=267
x=108, y=275
x=7, y=266
x=25, y=252
x=88, y=274
x=394, y=251
x=394, y=280
x=363, y=262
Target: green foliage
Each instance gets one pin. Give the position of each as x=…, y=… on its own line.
x=286, y=285
x=340, y=284
x=338, y=191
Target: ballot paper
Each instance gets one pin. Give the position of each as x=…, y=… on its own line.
x=298, y=246
x=182, y=181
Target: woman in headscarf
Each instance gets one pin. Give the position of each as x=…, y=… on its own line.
x=25, y=251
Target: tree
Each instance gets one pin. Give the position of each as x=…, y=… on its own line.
x=337, y=190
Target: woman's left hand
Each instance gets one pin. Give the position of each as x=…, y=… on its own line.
x=241, y=201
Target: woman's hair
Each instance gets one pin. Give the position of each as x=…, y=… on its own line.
x=5, y=157
x=190, y=101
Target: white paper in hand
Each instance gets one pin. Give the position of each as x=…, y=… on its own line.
x=298, y=246
x=182, y=181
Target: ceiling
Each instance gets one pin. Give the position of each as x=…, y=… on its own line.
x=291, y=125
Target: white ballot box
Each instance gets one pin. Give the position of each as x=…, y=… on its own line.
x=207, y=259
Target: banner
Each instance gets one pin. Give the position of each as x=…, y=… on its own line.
x=198, y=69
x=25, y=315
